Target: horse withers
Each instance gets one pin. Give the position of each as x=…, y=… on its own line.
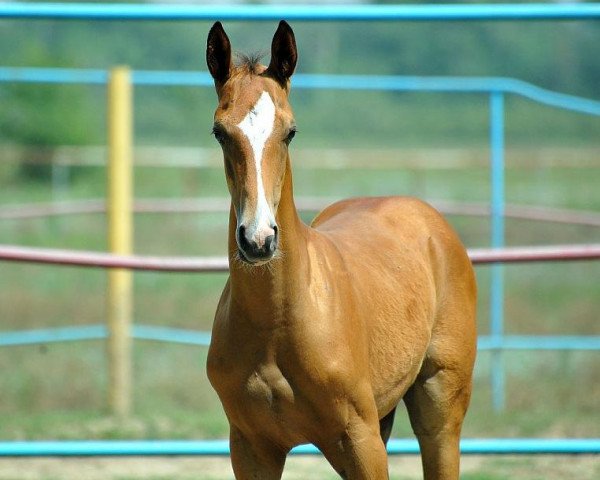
x=322, y=330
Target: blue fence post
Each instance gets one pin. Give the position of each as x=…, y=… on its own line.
x=497, y=241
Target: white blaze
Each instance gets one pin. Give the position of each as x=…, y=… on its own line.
x=257, y=126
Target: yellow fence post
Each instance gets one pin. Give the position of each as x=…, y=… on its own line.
x=120, y=238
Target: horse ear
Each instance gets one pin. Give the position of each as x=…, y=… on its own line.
x=218, y=54
x=283, y=53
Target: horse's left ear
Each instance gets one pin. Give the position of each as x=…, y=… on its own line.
x=283, y=53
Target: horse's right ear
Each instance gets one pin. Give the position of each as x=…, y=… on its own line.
x=284, y=53
x=218, y=54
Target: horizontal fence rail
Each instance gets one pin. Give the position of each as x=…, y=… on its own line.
x=202, y=338
x=318, y=81
x=308, y=204
x=106, y=260
x=89, y=448
x=82, y=258
x=485, y=256
x=74, y=11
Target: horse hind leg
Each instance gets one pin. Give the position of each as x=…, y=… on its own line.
x=385, y=426
x=437, y=404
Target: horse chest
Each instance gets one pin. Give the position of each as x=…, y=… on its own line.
x=267, y=388
x=263, y=400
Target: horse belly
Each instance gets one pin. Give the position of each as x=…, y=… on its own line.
x=398, y=304
x=398, y=344
x=394, y=366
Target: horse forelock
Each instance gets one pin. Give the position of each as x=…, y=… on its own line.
x=250, y=63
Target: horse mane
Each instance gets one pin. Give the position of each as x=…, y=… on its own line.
x=249, y=62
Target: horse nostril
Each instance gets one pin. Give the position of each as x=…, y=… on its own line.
x=243, y=241
x=271, y=243
x=271, y=240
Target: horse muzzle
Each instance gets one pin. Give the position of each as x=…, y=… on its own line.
x=257, y=246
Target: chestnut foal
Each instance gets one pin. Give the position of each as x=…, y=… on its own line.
x=322, y=330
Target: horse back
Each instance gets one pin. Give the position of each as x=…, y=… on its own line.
x=399, y=229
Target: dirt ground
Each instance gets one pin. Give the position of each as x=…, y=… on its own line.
x=217, y=468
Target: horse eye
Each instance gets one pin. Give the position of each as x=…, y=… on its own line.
x=218, y=134
x=291, y=135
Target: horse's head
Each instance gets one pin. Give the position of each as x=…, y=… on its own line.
x=254, y=124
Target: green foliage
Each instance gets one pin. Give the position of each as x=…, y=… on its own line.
x=44, y=116
x=49, y=115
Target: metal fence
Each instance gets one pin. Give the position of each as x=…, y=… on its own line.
x=495, y=88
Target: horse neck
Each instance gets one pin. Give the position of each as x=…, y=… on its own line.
x=262, y=292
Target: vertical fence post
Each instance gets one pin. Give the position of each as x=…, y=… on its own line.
x=497, y=241
x=119, y=211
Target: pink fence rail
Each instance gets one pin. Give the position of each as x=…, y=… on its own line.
x=81, y=258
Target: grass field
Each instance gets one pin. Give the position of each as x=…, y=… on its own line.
x=58, y=391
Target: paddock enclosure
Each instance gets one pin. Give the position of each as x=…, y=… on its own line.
x=502, y=352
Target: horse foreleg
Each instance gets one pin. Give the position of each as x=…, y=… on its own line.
x=360, y=453
x=254, y=458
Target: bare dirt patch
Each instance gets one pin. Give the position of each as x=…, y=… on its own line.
x=216, y=468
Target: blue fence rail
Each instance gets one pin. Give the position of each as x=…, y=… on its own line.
x=398, y=83
x=202, y=338
x=498, y=12
x=495, y=88
x=396, y=446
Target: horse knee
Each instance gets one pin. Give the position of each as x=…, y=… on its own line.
x=359, y=453
x=253, y=458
